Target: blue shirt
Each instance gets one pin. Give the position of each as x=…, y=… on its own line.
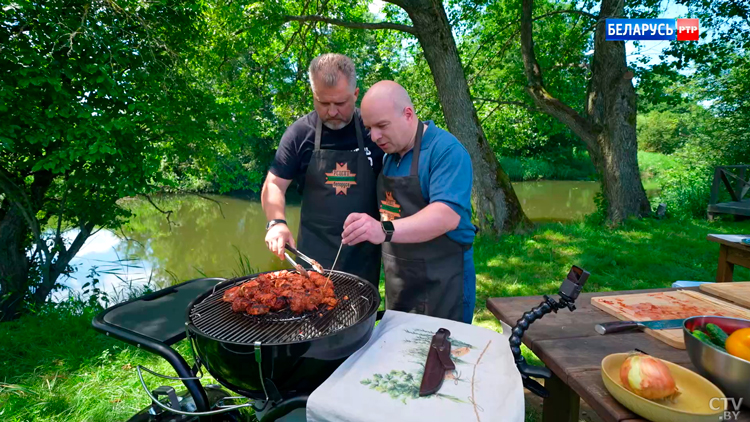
x=445, y=175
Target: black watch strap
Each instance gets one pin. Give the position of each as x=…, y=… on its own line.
x=274, y=222
x=387, y=229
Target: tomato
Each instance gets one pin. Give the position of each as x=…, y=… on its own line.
x=738, y=344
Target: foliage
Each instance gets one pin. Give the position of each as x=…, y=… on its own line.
x=578, y=167
x=490, y=49
x=94, y=100
x=667, y=131
x=401, y=385
x=654, y=164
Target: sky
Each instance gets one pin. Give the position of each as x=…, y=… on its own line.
x=649, y=49
x=652, y=49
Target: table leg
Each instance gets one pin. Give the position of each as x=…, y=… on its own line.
x=563, y=403
x=726, y=269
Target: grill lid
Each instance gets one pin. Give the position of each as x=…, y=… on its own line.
x=214, y=318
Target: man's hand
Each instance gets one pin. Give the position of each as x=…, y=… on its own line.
x=277, y=237
x=360, y=228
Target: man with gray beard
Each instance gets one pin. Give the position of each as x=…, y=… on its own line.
x=330, y=155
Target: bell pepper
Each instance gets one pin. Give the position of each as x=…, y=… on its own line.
x=738, y=344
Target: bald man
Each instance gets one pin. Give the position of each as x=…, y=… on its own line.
x=424, y=196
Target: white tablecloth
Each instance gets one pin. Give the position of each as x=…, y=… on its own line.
x=380, y=382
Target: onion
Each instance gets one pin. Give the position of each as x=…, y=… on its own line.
x=647, y=377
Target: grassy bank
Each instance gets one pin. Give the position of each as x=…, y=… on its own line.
x=640, y=255
x=56, y=368
x=579, y=167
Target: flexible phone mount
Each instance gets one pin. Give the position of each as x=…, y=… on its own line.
x=569, y=291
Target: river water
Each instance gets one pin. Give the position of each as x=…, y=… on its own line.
x=223, y=235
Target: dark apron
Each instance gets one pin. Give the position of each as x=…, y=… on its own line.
x=424, y=278
x=338, y=183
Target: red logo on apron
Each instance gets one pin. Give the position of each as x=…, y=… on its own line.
x=389, y=209
x=341, y=178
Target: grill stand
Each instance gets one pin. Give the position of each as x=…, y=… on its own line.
x=131, y=321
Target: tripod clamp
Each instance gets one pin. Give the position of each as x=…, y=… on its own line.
x=569, y=291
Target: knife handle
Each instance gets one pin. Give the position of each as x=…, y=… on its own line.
x=616, y=327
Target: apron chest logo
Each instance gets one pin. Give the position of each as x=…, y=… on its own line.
x=389, y=209
x=341, y=178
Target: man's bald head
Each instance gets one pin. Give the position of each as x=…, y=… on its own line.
x=388, y=112
x=385, y=93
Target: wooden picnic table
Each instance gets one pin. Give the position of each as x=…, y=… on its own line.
x=567, y=344
x=731, y=253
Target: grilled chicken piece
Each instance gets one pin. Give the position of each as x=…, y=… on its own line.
x=330, y=301
x=279, y=305
x=257, y=309
x=318, y=279
x=240, y=304
x=231, y=294
x=266, y=299
x=299, y=304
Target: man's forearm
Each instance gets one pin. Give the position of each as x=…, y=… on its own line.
x=273, y=200
x=432, y=221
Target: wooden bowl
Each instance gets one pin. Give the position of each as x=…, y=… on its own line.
x=694, y=404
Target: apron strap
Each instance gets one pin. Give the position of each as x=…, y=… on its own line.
x=358, y=129
x=318, y=132
x=416, y=149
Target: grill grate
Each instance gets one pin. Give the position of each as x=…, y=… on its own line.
x=215, y=318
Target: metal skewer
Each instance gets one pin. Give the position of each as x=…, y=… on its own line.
x=334, y=264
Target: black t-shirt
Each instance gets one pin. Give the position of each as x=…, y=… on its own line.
x=297, y=145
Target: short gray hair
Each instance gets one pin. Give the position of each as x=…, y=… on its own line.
x=327, y=66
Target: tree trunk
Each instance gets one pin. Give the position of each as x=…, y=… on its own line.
x=609, y=127
x=496, y=203
x=611, y=105
x=19, y=226
x=14, y=265
x=52, y=272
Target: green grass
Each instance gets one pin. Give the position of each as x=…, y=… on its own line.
x=641, y=254
x=55, y=367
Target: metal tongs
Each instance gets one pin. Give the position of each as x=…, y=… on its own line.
x=316, y=266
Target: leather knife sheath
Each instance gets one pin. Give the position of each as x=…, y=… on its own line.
x=438, y=362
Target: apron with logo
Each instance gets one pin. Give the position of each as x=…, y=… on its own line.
x=423, y=278
x=338, y=183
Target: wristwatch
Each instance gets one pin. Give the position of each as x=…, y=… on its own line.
x=387, y=229
x=274, y=222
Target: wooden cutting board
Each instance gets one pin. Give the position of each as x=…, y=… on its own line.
x=667, y=305
x=737, y=292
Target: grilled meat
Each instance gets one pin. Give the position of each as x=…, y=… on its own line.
x=240, y=304
x=256, y=309
x=281, y=289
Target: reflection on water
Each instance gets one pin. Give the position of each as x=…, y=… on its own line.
x=556, y=200
x=206, y=238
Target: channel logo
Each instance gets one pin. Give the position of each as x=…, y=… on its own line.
x=652, y=29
